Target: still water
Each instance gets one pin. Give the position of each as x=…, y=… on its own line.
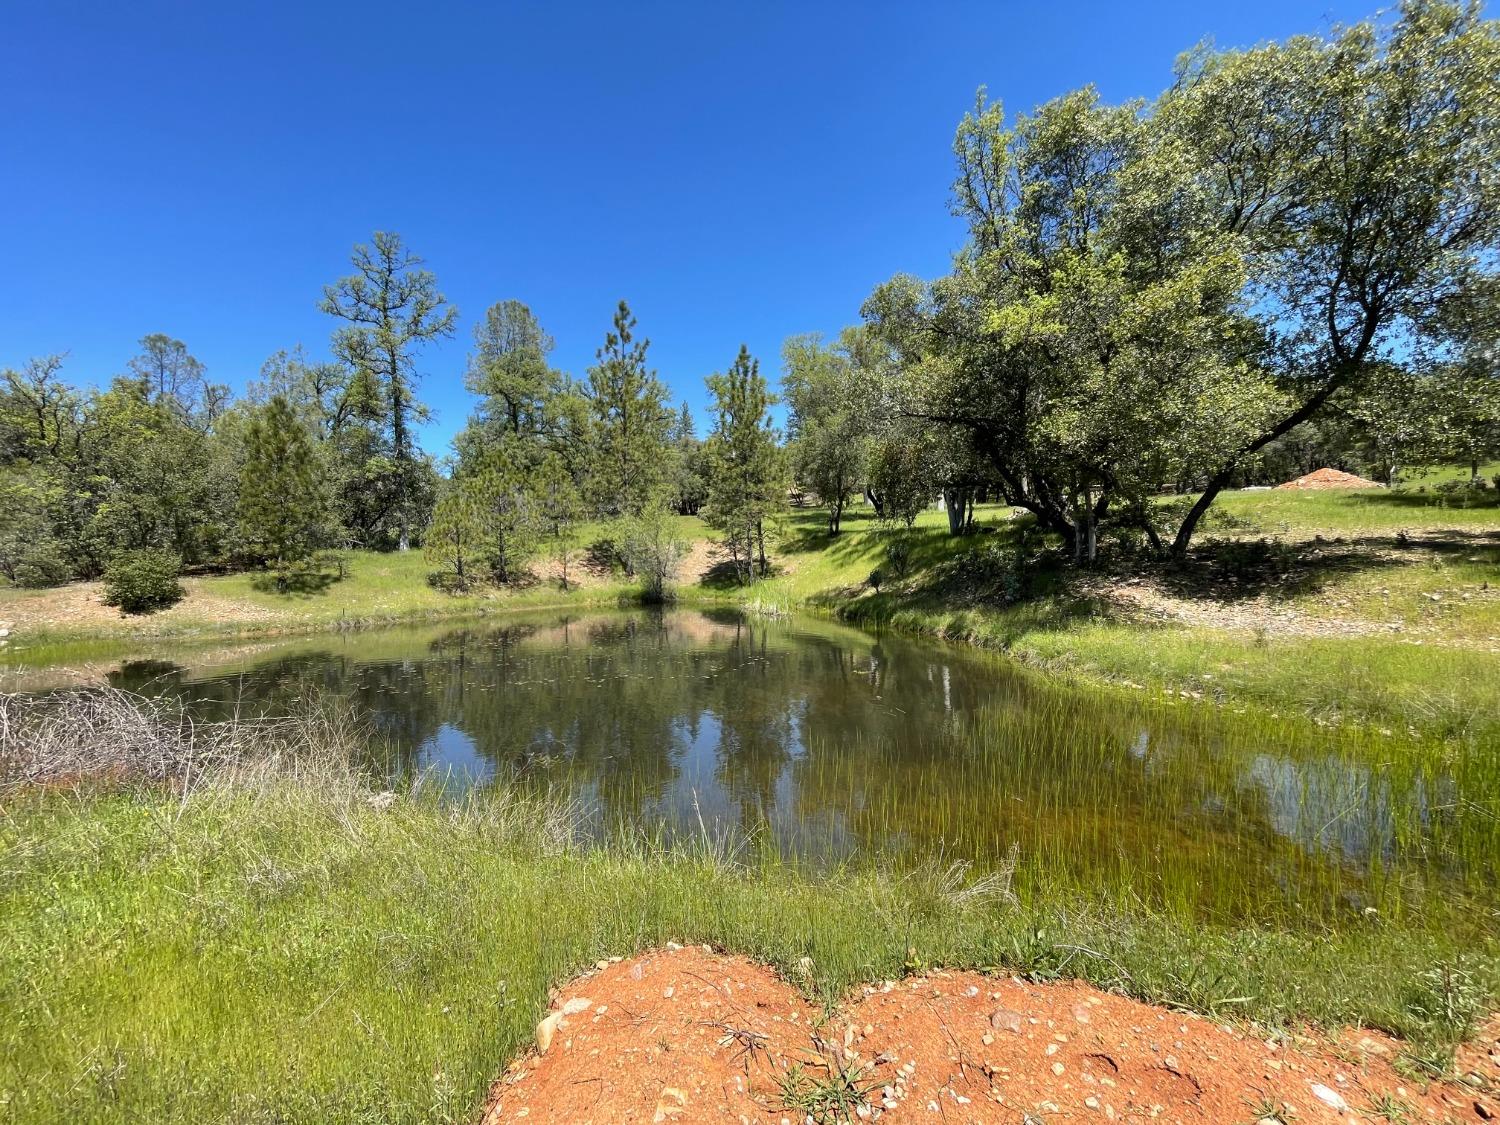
x=837, y=745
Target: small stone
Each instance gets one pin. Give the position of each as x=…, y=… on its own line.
x=1058, y=1068
x=546, y=1030
x=1004, y=1019
x=669, y=1104
x=1329, y=1097
x=576, y=1005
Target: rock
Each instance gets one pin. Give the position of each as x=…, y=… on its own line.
x=546, y=1030
x=669, y=1104
x=1004, y=1019
x=1329, y=1097
x=576, y=1005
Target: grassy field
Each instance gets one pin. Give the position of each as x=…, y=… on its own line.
x=377, y=589
x=297, y=952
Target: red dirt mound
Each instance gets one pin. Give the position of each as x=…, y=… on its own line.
x=686, y=1035
x=1331, y=478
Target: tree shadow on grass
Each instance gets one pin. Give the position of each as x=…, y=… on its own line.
x=298, y=583
x=1040, y=589
x=1239, y=570
x=1414, y=499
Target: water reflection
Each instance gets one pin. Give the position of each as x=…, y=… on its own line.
x=835, y=743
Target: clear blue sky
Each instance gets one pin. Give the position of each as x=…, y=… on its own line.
x=737, y=172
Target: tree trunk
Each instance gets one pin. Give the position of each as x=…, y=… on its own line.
x=956, y=502
x=1220, y=479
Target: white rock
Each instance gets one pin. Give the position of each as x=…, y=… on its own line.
x=576, y=1005
x=1329, y=1097
x=546, y=1030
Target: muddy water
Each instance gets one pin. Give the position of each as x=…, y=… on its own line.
x=808, y=737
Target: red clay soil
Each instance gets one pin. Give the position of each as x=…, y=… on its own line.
x=686, y=1035
x=1331, y=478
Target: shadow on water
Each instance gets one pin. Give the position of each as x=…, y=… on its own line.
x=828, y=742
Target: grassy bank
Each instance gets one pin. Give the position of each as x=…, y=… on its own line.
x=70, y=623
x=281, y=950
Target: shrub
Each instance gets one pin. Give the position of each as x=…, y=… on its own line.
x=653, y=553
x=42, y=565
x=143, y=581
x=898, y=554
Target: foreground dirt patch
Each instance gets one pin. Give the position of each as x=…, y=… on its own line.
x=686, y=1035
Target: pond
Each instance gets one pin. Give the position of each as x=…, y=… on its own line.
x=840, y=746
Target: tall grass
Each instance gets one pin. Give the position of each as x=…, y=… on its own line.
x=280, y=942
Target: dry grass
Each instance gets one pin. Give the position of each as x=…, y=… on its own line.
x=105, y=733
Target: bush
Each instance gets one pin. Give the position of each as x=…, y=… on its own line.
x=653, y=553
x=143, y=581
x=898, y=554
x=42, y=565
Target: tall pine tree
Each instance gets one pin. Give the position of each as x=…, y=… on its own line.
x=392, y=306
x=746, y=471
x=631, y=422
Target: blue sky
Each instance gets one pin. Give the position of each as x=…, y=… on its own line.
x=739, y=173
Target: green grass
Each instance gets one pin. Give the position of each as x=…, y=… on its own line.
x=291, y=952
x=1412, y=507
x=377, y=589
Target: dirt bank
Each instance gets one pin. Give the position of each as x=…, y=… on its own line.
x=686, y=1035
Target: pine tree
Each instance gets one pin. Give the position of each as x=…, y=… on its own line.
x=455, y=537
x=281, y=505
x=507, y=510
x=746, y=472
x=392, y=306
x=631, y=420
